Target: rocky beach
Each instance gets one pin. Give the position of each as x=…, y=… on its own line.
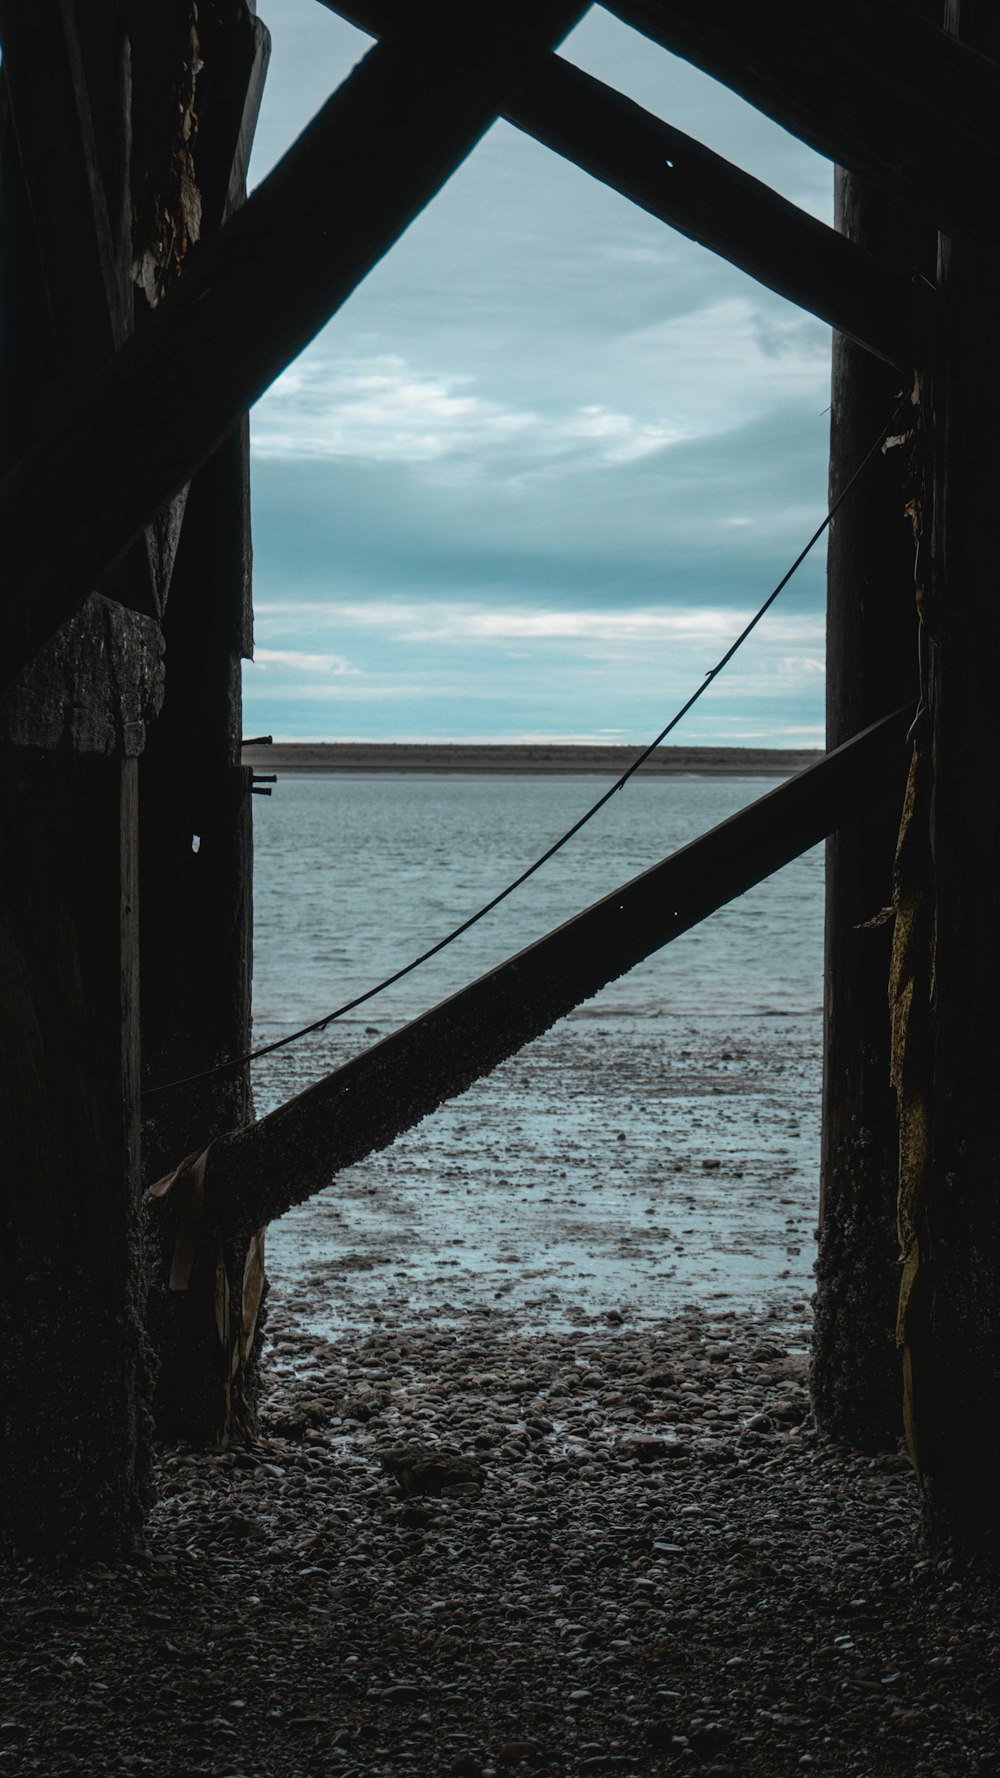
x=527, y=1498
x=537, y=1489
x=476, y=1551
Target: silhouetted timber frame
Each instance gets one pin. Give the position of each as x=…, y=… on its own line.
x=247, y=1179
x=146, y=307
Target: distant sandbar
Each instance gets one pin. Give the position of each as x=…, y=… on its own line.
x=502, y=757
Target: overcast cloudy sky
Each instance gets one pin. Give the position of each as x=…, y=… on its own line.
x=534, y=475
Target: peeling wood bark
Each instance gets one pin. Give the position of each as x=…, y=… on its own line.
x=697, y=192
x=252, y=1176
x=880, y=91
x=377, y=153
x=95, y=687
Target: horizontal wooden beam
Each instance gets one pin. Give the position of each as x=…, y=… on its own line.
x=255, y=295
x=702, y=195
x=254, y=1175
x=869, y=83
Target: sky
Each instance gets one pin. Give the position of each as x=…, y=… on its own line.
x=531, y=479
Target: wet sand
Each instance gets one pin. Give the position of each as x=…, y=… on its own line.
x=458, y=757
x=597, y=1171
x=538, y=1493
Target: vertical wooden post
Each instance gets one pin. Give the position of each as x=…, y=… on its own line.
x=951, y=1312
x=196, y=850
x=196, y=954
x=871, y=668
x=74, y=1432
x=72, y=1372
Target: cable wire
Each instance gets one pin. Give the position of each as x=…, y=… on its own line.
x=389, y=981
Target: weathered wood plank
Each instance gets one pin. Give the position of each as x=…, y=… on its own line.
x=368, y=163
x=881, y=91
x=256, y=1174
x=95, y=687
x=702, y=195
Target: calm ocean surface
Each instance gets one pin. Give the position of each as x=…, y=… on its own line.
x=355, y=875
x=658, y=1147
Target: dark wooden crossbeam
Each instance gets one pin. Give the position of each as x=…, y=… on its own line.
x=82, y=260
x=702, y=195
x=705, y=197
x=869, y=83
x=54, y=139
x=253, y=297
x=255, y=1174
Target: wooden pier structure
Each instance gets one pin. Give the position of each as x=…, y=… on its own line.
x=147, y=302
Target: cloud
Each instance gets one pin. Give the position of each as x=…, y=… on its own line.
x=727, y=361
x=382, y=410
x=377, y=410
x=535, y=474
x=451, y=622
x=688, y=378
x=440, y=670
x=301, y=661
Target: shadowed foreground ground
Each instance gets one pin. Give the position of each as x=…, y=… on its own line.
x=648, y=1563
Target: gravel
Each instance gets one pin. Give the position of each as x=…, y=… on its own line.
x=476, y=1550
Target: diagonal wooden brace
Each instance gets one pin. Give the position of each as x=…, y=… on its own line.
x=684, y=184
x=870, y=83
x=254, y=296
x=255, y=1174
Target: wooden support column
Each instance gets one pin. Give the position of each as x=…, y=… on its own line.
x=73, y=1383
x=951, y=1207
x=196, y=853
x=197, y=865
x=871, y=667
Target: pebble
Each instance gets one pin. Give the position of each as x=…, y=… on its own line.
x=507, y=1566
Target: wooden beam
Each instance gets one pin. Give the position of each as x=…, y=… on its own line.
x=196, y=930
x=252, y=298
x=82, y=262
x=678, y=180
x=865, y=82
x=254, y=1175
x=72, y=1355
x=56, y=149
x=871, y=666
x=697, y=192
x=944, y=991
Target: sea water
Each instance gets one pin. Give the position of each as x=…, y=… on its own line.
x=659, y=1146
